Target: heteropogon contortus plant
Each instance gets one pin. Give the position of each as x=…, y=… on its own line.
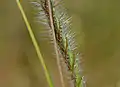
x=55, y=18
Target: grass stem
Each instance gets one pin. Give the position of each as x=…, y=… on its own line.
x=35, y=44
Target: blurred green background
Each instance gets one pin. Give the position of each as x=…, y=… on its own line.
x=96, y=23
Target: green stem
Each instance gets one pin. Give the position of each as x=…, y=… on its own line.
x=35, y=45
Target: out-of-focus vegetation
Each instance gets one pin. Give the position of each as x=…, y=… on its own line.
x=96, y=23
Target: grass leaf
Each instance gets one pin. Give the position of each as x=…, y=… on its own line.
x=35, y=44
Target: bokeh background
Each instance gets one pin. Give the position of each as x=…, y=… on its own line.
x=96, y=23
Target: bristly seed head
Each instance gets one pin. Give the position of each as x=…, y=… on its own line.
x=63, y=35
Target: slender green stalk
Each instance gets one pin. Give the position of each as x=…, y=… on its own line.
x=35, y=44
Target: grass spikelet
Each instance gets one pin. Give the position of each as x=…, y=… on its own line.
x=53, y=15
x=66, y=43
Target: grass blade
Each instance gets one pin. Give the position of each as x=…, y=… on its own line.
x=35, y=44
